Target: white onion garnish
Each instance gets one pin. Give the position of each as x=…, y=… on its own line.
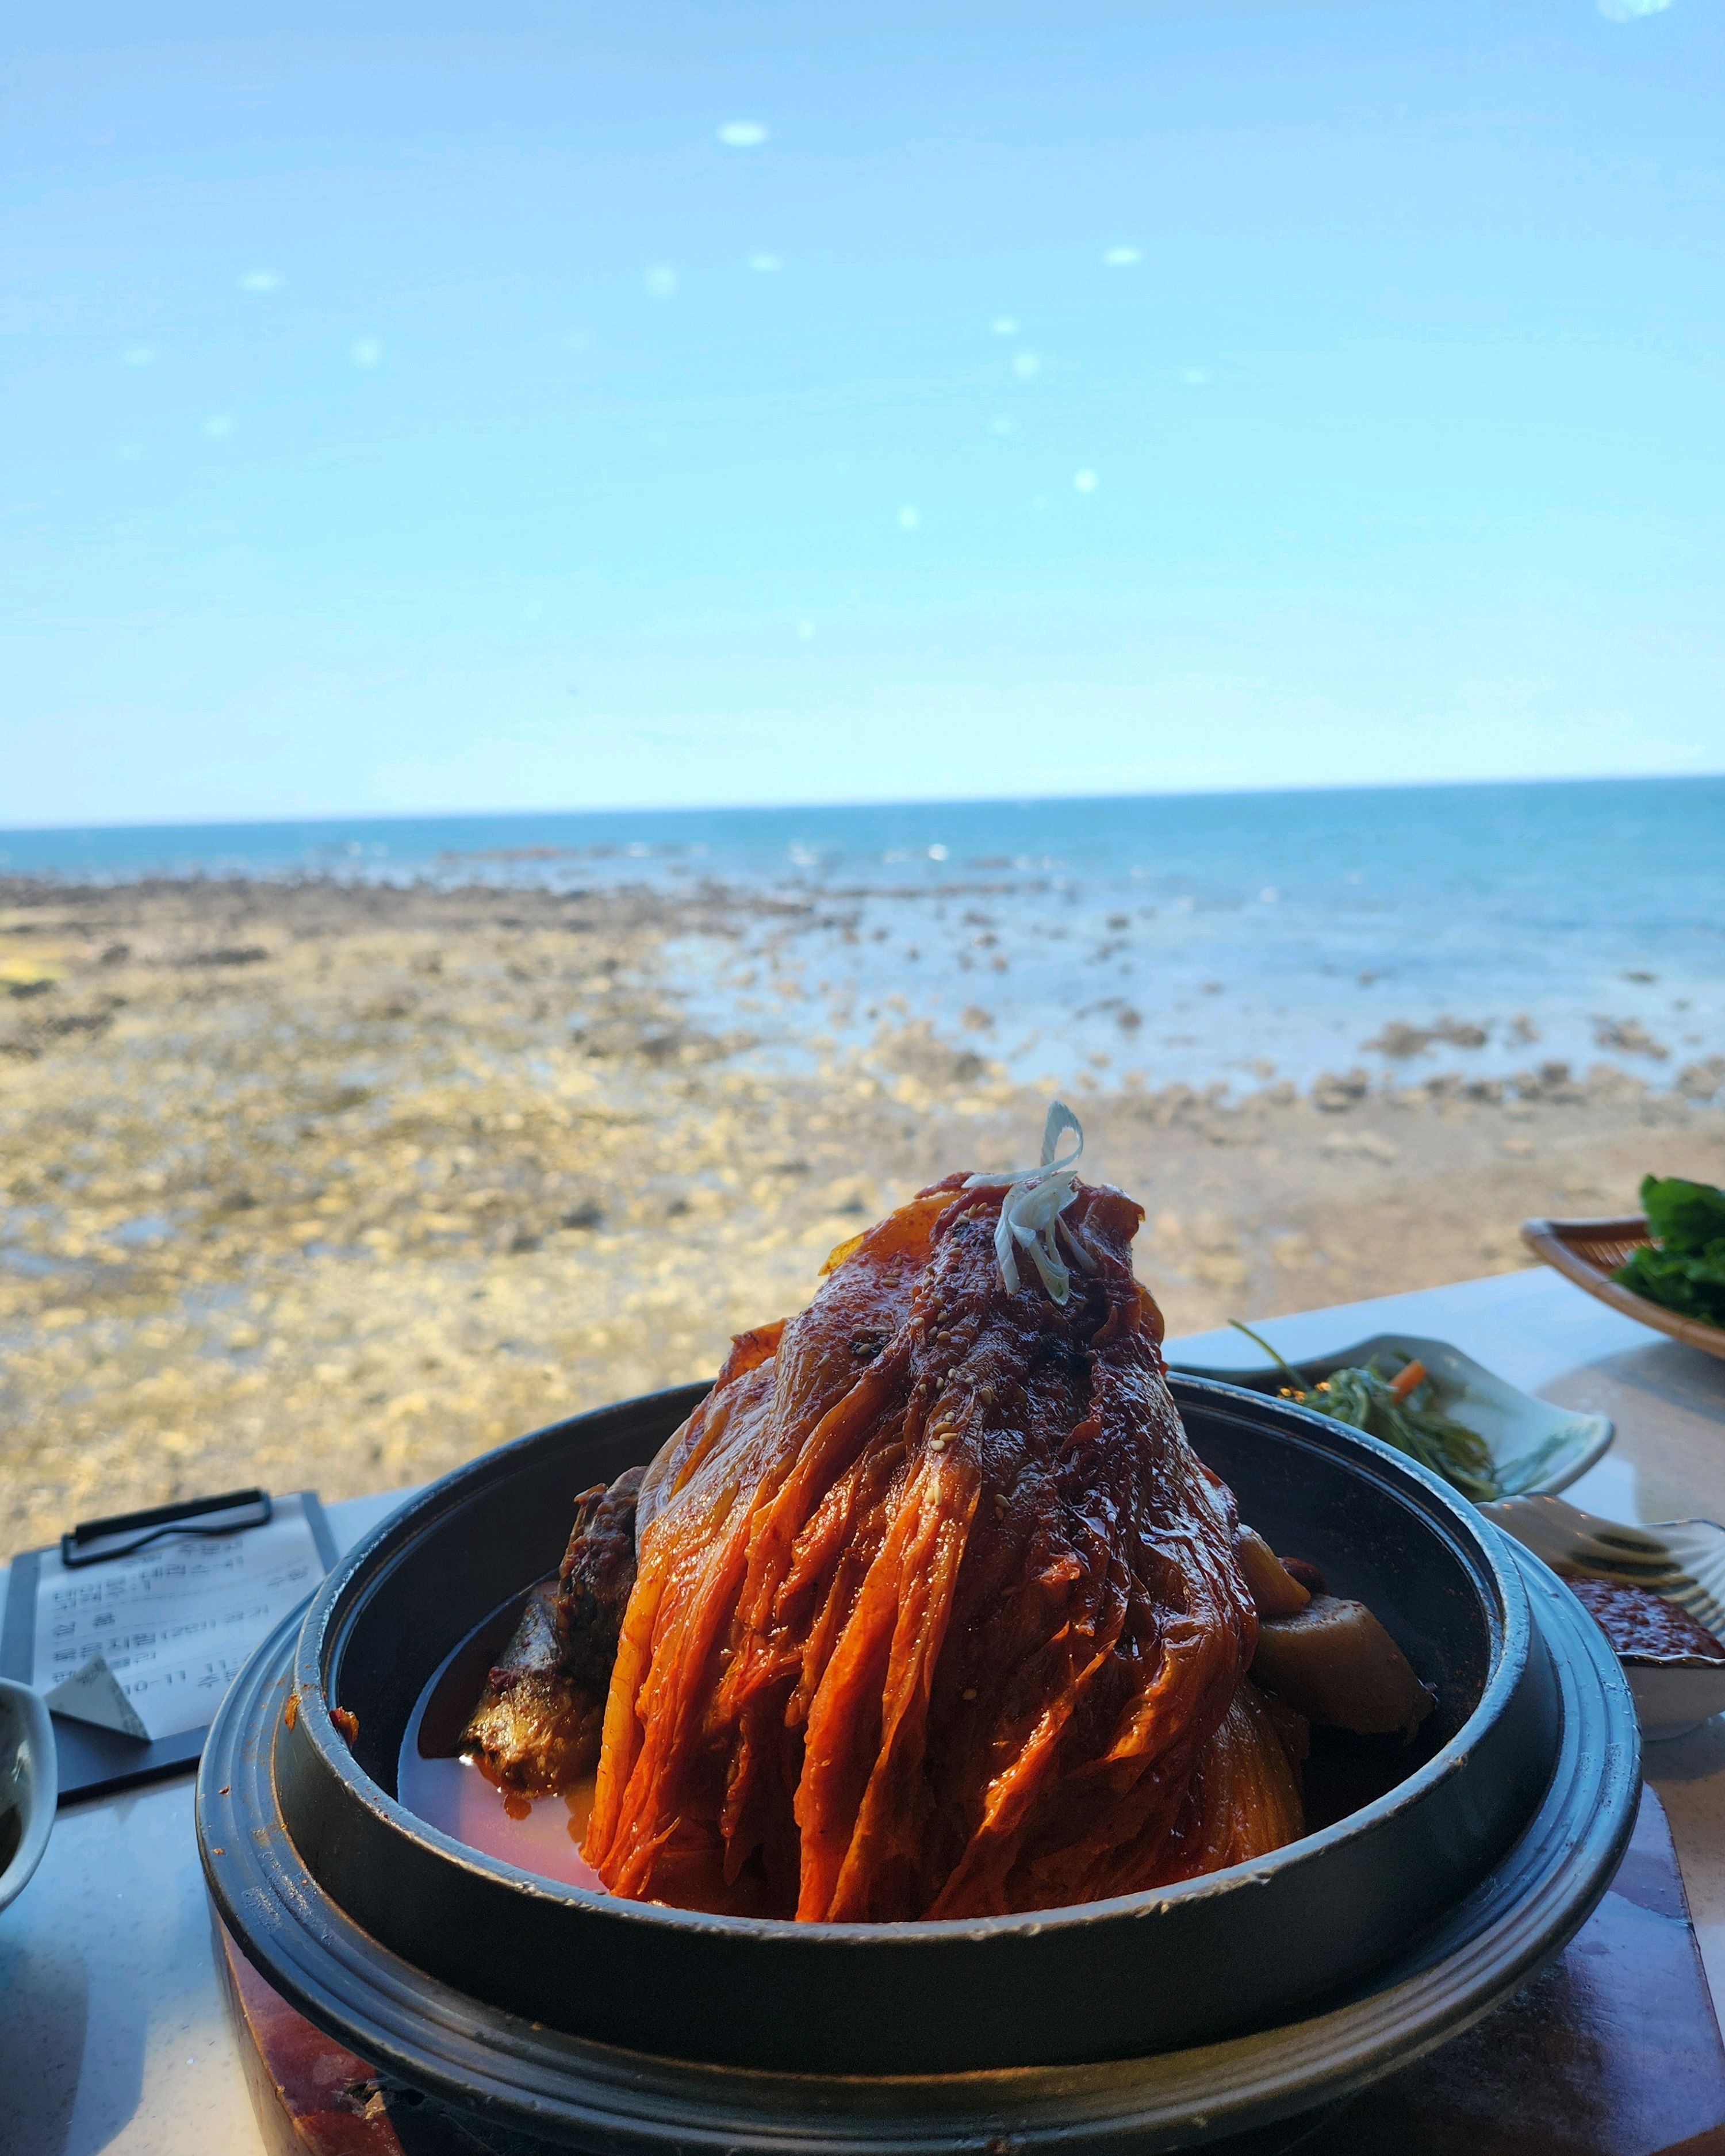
x=1035, y=1198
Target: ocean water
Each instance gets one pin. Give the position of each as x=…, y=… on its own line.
x=1239, y=938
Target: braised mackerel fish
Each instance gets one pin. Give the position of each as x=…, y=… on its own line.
x=929, y=1608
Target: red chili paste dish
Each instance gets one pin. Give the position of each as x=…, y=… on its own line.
x=1645, y=1627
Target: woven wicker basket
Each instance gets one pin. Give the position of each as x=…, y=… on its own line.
x=1588, y=1251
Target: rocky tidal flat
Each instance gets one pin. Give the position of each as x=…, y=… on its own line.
x=313, y=1183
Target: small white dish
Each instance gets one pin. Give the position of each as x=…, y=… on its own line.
x=30, y=1785
x=1536, y=1447
x=1683, y=1560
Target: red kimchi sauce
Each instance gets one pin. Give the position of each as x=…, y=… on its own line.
x=1641, y=1624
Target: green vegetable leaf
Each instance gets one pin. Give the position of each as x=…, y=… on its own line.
x=1687, y=1273
x=1685, y=1217
x=1693, y=1286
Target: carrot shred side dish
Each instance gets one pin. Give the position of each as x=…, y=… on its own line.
x=934, y=1611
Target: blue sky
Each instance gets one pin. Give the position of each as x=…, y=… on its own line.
x=697, y=404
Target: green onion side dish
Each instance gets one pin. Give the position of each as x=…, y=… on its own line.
x=1399, y=1407
x=1685, y=1272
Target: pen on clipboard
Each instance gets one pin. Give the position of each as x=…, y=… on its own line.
x=98, y=1542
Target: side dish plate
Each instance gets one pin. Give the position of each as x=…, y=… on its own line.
x=27, y=1786
x=1552, y=1445
x=1684, y=1560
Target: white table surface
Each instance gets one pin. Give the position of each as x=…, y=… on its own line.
x=113, y=2031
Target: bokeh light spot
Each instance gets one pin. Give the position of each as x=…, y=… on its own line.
x=1631, y=11
x=217, y=426
x=742, y=133
x=262, y=281
x=765, y=265
x=1122, y=258
x=1026, y=365
x=137, y=355
x=1084, y=481
x=659, y=281
x=909, y=517
x=366, y=352
x=1004, y=325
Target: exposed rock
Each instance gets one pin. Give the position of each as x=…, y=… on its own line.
x=1701, y=1082
x=1459, y=1033
x=226, y=954
x=1629, y=1036
x=1551, y=1081
x=1334, y=1094
x=919, y=1052
x=1399, y=1039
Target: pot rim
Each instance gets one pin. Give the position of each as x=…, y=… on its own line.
x=1477, y=1544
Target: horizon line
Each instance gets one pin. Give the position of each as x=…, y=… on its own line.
x=408, y=816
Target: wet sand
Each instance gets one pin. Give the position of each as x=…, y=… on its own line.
x=332, y=1186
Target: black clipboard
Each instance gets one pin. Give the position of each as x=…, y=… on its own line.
x=94, y=1762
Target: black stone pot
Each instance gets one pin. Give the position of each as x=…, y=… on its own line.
x=1530, y=1792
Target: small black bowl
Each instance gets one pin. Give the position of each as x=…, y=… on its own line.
x=1244, y=1950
